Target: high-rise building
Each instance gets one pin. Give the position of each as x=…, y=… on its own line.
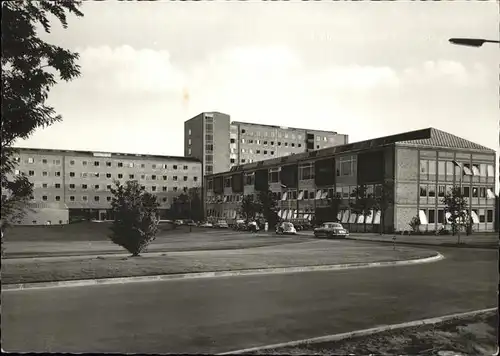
x=220, y=144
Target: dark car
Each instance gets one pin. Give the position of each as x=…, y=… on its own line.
x=331, y=229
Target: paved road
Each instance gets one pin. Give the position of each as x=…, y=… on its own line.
x=224, y=314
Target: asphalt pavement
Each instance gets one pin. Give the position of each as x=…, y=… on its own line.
x=224, y=314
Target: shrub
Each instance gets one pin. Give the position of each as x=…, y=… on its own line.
x=415, y=224
x=135, y=217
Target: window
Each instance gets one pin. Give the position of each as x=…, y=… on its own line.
x=108, y=198
x=154, y=166
x=272, y=152
x=96, y=198
x=164, y=188
x=96, y=187
x=120, y=176
x=84, y=197
x=189, y=132
x=432, y=169
x=293, y=144
x=131, y=176
x=58, y=174
x=227, y=182
x=44, y=185
x=71, y=186
x=449, y=169
x=482, y=192
x=189, y=151
x=57, y=161
x=257, y=151
x=185, y=168
x=84, y=163
x=96, y=175
x=72, y=198
x=58, y=198
x=274, y=175
x=489, y=215
x=164, y=200
x=174, y=189
x=84, y=186
x=265, y=152
x=440, y=217
x=174, y=178
x=424, y=167
x=44, y=161
x=120, y=164
x=441, y=191
x=300, y=145
x=195, y=179
x=175, y=166
x=233, y=140
x=232, y=160
x=153, y=188
x=491, y=171
x=475, y=170
x=96, y=163
x=483, y=170
x=466, y=192
x=164, y=177
x=242, y=150
x=482, y=216
x=153, y=177
x=441, y=168
x=108, y=187
x=185, y=178
x=306, y=171
x=423, y=190
x=108, y=175
x=31, y=160
x=84, y=175
x=431, y=191
x=57, y=185
x=347, y=166
x=108, y=164
x=243, y=131
x=432, y=216
x=143, y=165
x=475, y=192
x=45, y=174
x=31, y=173
x=44, y=198
x=71, y=174
x=130, y=165
x=242, y=140
x=467, y=169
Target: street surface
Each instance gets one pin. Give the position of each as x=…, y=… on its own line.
x=224, y=314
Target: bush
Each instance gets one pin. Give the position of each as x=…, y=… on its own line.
x=415, y=224
x=135, y=217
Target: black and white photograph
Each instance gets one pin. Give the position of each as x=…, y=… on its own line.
x=250, y=177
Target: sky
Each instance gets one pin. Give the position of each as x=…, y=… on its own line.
x=366, y=69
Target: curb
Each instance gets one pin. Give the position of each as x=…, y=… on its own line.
x=245, y=272
x=365, y=332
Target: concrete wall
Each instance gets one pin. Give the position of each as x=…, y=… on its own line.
x=37, y=216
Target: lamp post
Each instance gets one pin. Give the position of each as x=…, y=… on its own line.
x=471, y=42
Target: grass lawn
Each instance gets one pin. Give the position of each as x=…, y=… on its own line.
x=80, y=231
x=472, y=336
x=29, y=271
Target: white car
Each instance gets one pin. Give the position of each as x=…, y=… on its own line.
x=222, y=224
x=206, y=224
x=286, y=228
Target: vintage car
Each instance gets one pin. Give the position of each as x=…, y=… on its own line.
x=331, y=229
x=206, y=224
x=285, y=228
x=221, y=224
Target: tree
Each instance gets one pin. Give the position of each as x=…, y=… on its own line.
x=135, y=217
x=384, y=198
x=456, y=205
x=268, y=207
x=336, y=205
x=29, y=69
x=363, y=203
x=248, y=208
x=196, y=204
x=415, y=224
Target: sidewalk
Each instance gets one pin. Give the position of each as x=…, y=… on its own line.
x=314, y=253
x=478, y=240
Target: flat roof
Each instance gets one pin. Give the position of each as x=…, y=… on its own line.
x=106, y=154
x=282, y=127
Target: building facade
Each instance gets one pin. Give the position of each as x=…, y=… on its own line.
x=221, y=144
x=81, y=180
x=419, y=166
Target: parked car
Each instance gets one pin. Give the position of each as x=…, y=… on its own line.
x=190, y=223
x=286, y=228
x=253, y=226
x=178, y=222
x=221, y=224
x=331, y=229
x=240, y=225
x=206, y=224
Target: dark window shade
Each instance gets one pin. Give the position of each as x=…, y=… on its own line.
x=218, y=185
x=261, y=180
x=289, y=175
x=370, y=167
x=237, y=183
x=324, y=172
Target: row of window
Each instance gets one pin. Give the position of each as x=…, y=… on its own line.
x=108, y=187
x=429, y=190
x=432, y=216
x=31, y=160
x=265, y=142
x=85, y=198
x=344, y=192
x=109, y=175
x=429, y=167
x=284, y=135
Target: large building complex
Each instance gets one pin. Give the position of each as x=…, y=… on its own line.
x=222, y=144
x=80, y=181
x=420, y=166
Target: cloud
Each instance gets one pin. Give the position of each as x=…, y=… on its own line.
x=444, y=70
